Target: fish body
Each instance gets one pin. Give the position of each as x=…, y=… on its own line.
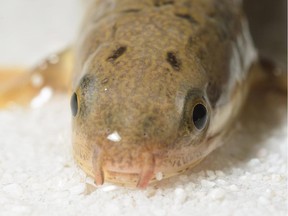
x=157, y=84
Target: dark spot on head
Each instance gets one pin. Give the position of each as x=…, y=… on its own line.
x=159, y=3
x=173, y=61
x=86, y=80
x=187, y=17
x=116, y=54
x=131, y=10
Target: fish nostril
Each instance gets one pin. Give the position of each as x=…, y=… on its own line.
x=108, y=131
x=148, y=122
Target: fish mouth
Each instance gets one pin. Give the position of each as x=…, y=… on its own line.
x=140, y=167
x=132, y=177
x=140, y=171
x=147, y=175
x=138, y=175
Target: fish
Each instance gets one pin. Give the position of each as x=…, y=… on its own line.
x=156, y=85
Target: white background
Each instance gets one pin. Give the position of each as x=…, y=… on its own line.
x=32, y=29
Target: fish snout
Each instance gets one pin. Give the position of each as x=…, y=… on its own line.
x=124, y=166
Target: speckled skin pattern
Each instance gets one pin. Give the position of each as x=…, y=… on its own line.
x=141, y=67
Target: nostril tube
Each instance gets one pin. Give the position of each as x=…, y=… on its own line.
x=97, y=166
x=147, y=171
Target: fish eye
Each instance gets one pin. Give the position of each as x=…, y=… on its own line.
x=74, y=104
x=199, y=116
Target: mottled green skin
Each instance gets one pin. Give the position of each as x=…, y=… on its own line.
x=148, y=100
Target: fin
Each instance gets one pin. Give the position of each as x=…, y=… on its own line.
x=266, y=75
x=20, y=87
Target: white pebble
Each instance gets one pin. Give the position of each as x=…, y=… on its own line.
x=237, y=171
x=107, y=188
x=243, y=178
x=256, y=177
x=206, y=183
x=201, y=174
x=211, y=174
x=36, y=186
x=262, y=153
x=22, y=209
x=78, y=189
x=276, y=177
x=269, y=193
x=274, y=157
x=262, y=200
x=90, y=180
x=191, y=186
x=233, y=188
x=14, y=190
x=184, y=178
x=217, y=194
x=21, y=176
x=254, y=162
x=219, y=173
x=180, y=195
x=6, y=178
x=221, y=182
x=273, y=169
x=37, y=80
x=44, y=95
x=159, y=176
x=115, y=137
x=159, y=212
x=58, y=196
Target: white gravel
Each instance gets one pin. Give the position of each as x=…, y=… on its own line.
x=247, y=176
x=39, y=177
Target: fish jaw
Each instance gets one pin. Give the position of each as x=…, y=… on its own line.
x=144, y=167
